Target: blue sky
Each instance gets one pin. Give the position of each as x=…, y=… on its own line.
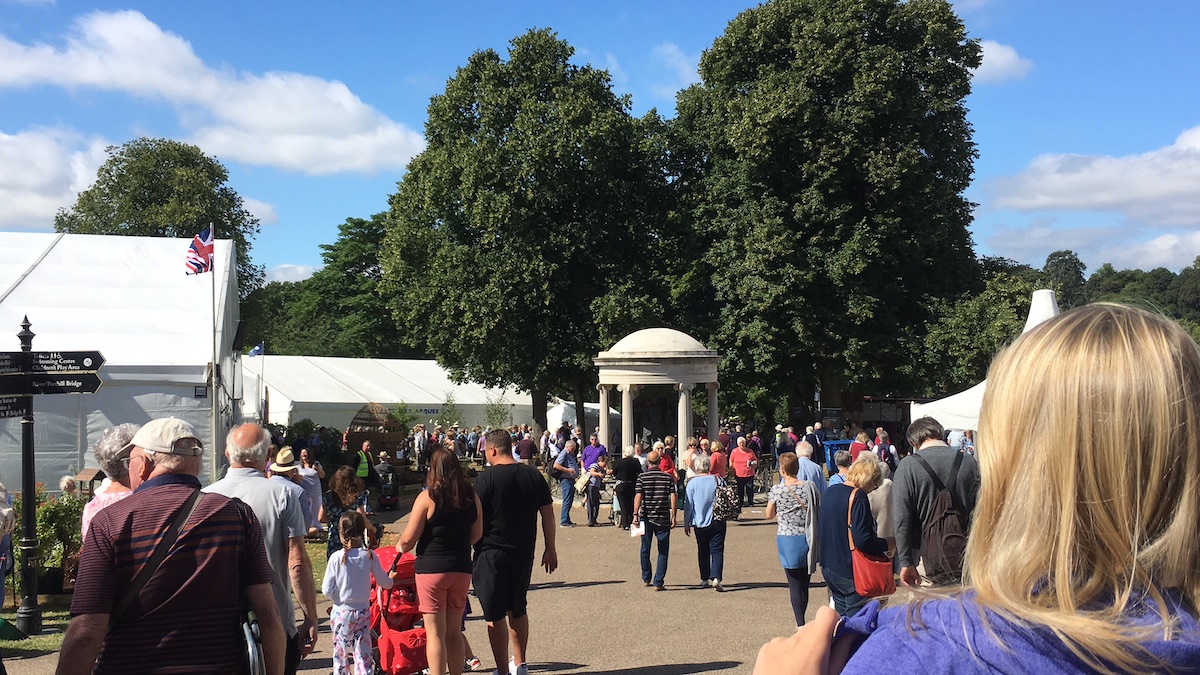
x=1085, y=113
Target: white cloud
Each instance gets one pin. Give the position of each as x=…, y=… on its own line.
x=614, y=69
x=286, y=120
x=1000, y=63
x=683, y=69
x=290, y=272
x=262, y=210
x=41, y=171
x=1126, y=247
x=1156, y=188
x=1171, y=250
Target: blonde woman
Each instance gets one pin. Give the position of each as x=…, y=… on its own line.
x=849, y=497
x=1088, y=558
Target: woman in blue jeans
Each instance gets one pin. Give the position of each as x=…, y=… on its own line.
x=710, y=532
x=836, y=565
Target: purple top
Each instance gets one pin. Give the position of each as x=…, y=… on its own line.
x=590, y=453
x=952, y=637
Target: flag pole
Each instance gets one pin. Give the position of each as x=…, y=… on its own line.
x=262, y=381
x=212, y=450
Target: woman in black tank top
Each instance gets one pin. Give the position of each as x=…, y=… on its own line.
x=446, y=520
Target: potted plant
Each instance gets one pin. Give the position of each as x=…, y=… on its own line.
x=59, y=521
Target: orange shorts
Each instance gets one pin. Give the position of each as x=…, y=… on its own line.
x=444, y=591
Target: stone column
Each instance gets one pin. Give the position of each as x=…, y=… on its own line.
x=605, y=438
x=628, y=393
x=714, y=419
x=684, y=427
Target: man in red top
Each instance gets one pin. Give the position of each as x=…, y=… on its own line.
x=185, y=618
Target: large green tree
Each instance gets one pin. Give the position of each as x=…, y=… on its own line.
x=1064, y=272
x=524, y=238
x=156, y=187
x=339, y=310
x=825, y=153
x=968, y=332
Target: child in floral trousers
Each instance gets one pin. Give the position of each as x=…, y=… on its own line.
x=347, y=584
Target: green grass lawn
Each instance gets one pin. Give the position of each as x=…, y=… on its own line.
x=55, y=616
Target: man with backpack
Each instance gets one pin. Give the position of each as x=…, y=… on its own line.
x=934, y=492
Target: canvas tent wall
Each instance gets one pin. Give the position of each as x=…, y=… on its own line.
x=565, y=410
x=330, y=390
x=129, y=298
x=961, y=411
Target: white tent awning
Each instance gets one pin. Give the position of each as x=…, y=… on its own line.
x=961, y=411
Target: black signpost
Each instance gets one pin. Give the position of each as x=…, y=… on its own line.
x=23, y=375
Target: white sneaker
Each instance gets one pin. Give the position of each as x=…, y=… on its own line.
x=472, y=664
x=717, y=585
x=514, y=669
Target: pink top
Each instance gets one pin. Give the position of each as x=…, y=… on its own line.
x=740, y=459
x=718, y=465
x=100, y=501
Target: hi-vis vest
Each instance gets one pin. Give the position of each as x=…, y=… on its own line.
x=364, y=464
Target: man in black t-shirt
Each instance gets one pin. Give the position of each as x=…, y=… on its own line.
x=512, y=495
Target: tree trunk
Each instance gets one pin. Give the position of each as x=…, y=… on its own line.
x=539, y=396
x=794, y=403
x=578, y=391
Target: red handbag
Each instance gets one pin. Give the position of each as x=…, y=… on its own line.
x=873, y=575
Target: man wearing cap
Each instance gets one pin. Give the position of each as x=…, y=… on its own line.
x=283, y=530
x=285, y=470
x=185, y=617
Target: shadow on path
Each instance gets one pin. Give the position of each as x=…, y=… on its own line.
x=671, y=669
x=733, y=588
x=573, y=584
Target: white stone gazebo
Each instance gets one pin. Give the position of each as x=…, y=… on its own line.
x=657, y=356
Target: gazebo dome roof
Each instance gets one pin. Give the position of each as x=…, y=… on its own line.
x=663, y=341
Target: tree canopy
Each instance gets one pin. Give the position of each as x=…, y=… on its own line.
x=524, y=236
x=825, y=154
x=339, y=310
x=157, y=187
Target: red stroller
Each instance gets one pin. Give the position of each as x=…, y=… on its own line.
x=394, y=615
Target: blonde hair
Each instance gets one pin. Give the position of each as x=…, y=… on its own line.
x=1103, y=514
x=864, y=474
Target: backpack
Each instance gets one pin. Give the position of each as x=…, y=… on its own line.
x=726, y=505
x=555, y=474
x=944, y=532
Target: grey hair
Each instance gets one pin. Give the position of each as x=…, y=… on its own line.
x=701, y=463
x=628, y=451
x=245, y=456
x=842, y=458
x=181, y=464
x=804, y=449
x=109, y=451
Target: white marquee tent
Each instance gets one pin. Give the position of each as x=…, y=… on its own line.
x=330, y=390
x=565, y=411
x=961, y=411
x=129, y=298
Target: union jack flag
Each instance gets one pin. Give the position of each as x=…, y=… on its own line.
x=200, y=253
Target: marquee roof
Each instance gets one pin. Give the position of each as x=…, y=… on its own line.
x=125, y=296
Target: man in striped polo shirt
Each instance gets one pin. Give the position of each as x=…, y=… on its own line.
x=185, y=618
x=654, y=502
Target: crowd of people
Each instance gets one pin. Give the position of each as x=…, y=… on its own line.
x=1083, y=561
